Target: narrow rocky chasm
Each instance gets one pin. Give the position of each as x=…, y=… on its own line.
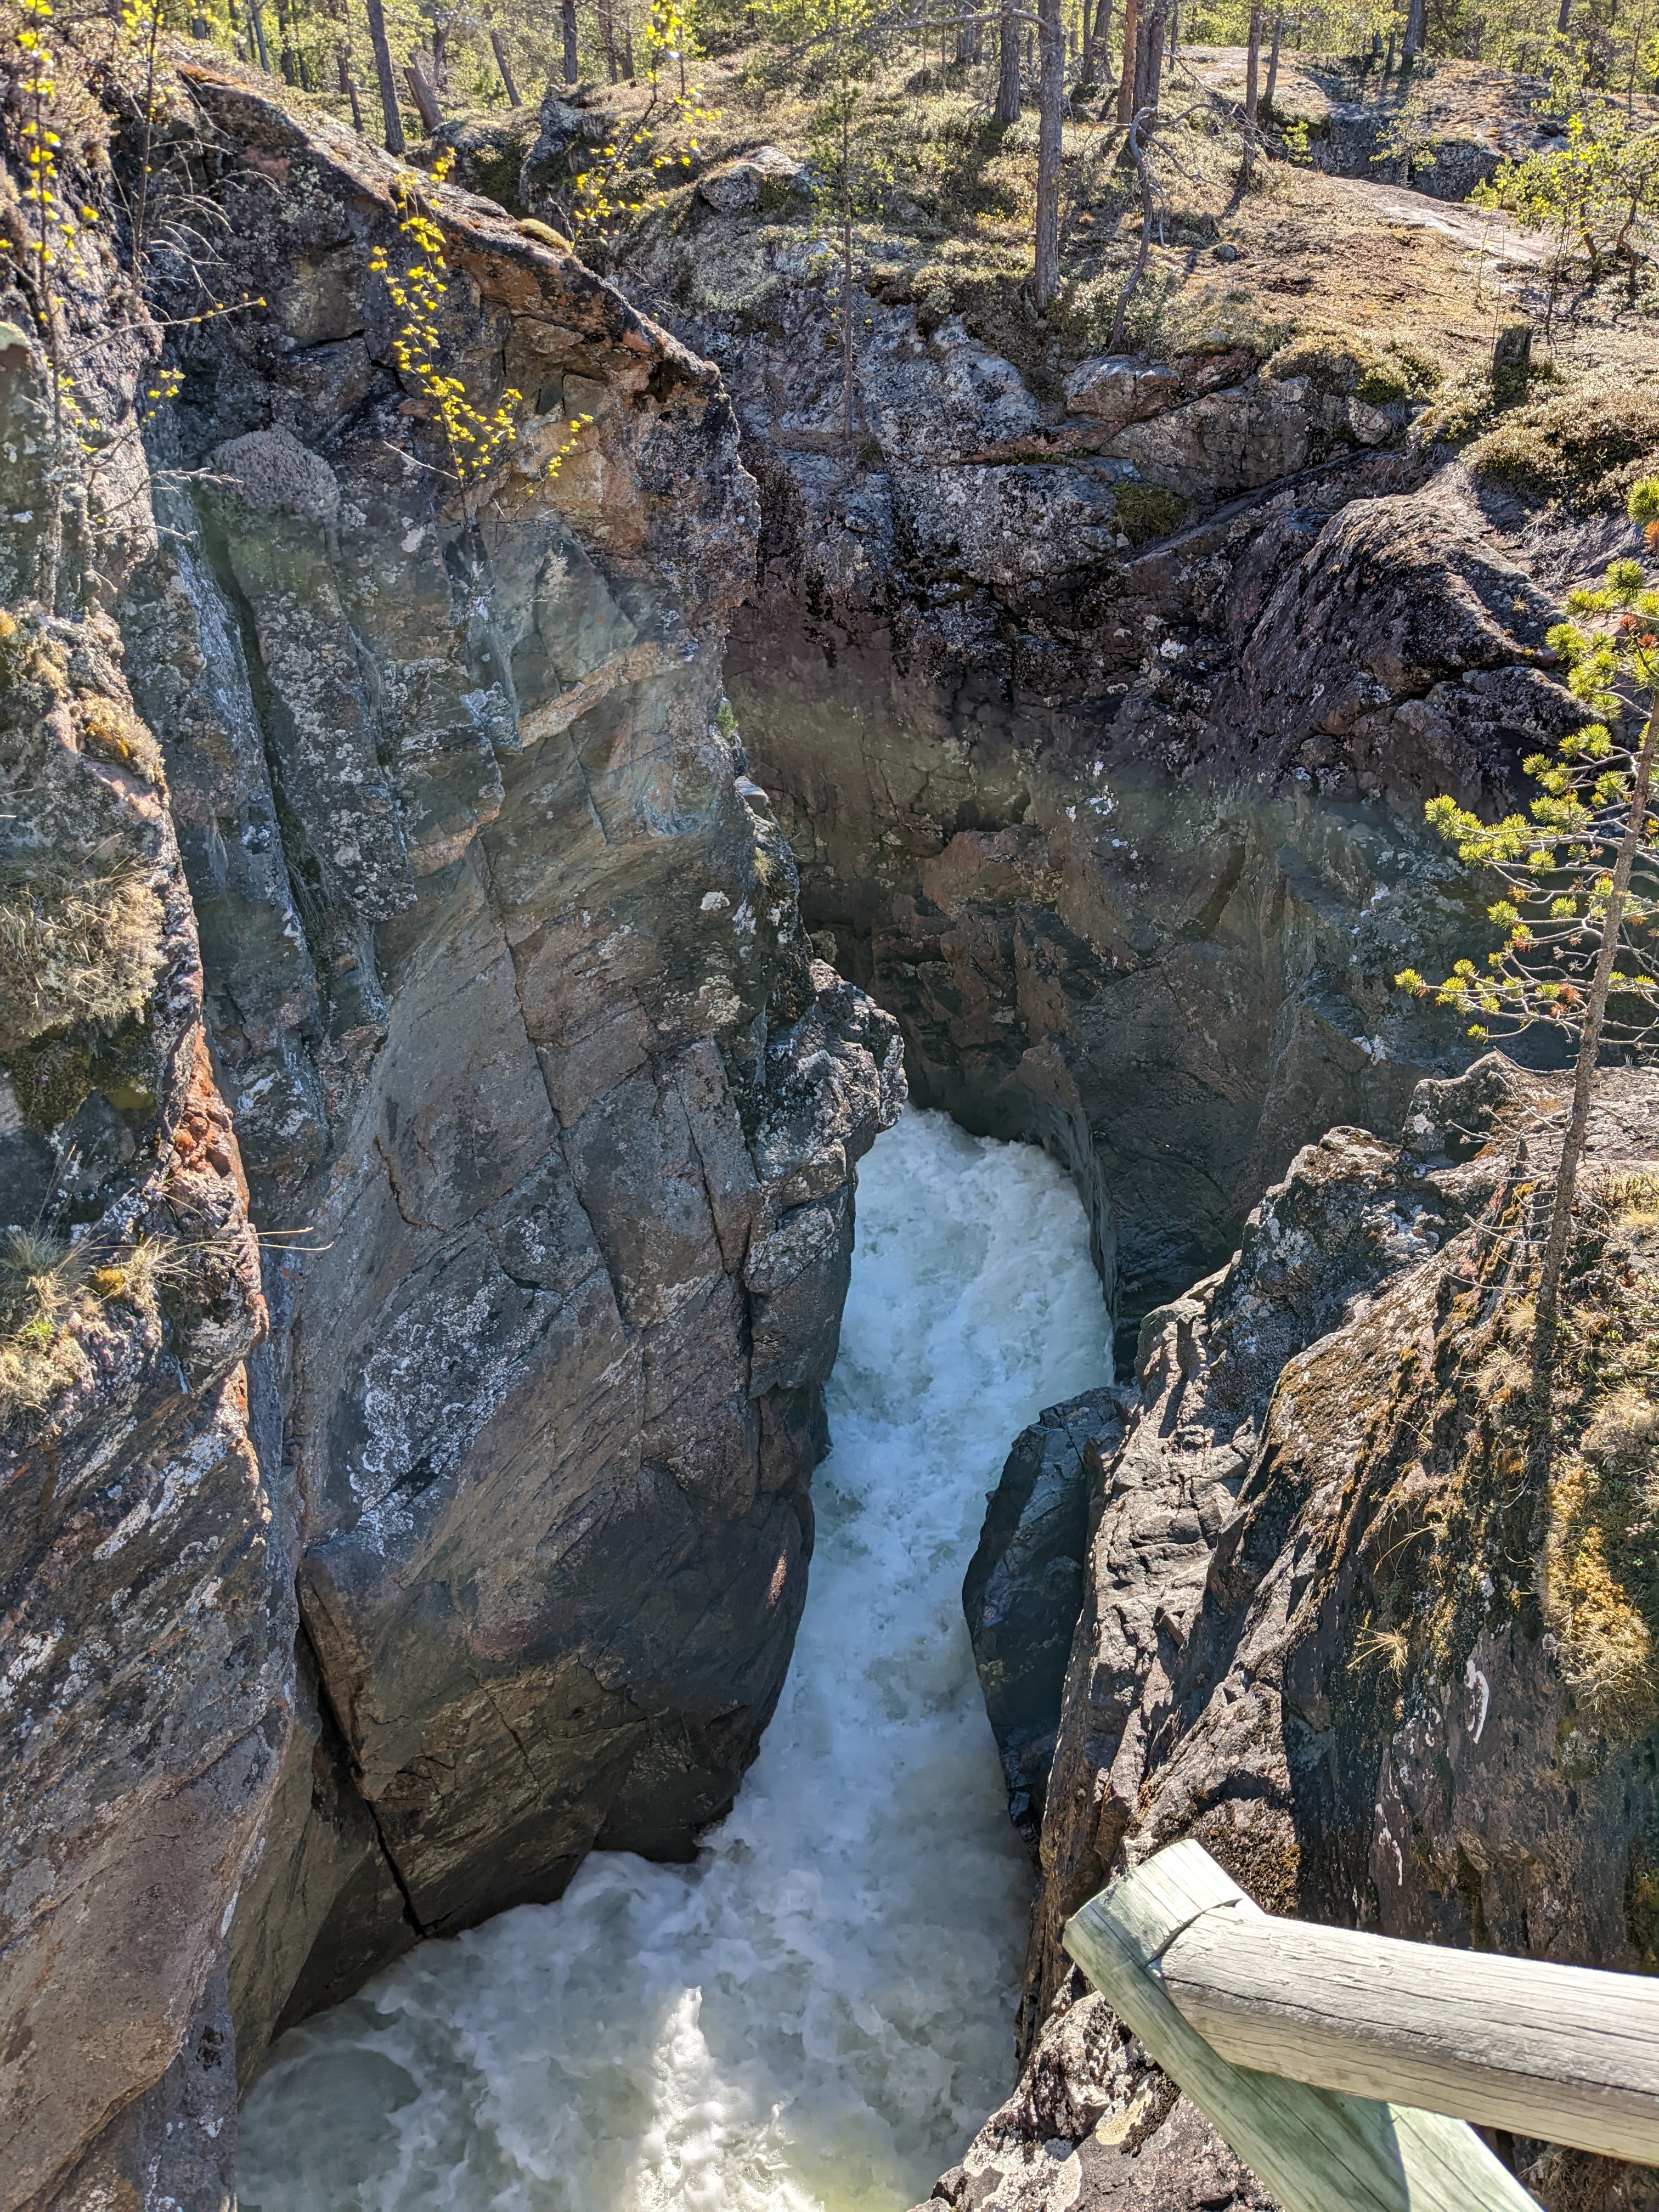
x=816, y=2015
x=439, y=1029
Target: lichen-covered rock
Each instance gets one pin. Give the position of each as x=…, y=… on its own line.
x=144, y=1704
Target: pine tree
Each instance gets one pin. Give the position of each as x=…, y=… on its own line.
x=1580, y=877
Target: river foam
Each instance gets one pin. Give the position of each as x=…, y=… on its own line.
x=818, y=2014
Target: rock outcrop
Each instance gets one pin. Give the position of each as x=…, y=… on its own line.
x=1329, y=1630
x=462, y=933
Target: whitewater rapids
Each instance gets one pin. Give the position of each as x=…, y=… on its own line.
x=816, y=2015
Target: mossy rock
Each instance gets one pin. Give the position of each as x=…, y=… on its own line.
x=1147, y=511
x=1347, y=367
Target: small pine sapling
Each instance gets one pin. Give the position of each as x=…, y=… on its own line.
x=1580, y=877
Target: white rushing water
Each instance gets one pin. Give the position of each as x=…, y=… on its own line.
x=816, y=2015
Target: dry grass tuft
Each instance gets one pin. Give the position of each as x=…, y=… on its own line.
x=77, y=945
x=52, y=1293
x=113, y=732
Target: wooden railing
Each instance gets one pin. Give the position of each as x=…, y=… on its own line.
x=1342, y=2068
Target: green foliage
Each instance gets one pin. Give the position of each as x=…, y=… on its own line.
x=616, y=184
x=1598, y=190
x=1554, y=864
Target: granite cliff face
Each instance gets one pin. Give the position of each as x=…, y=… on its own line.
x=465, y=945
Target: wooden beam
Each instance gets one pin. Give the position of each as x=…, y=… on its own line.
x=1563, y=2052
x=1317, y=2150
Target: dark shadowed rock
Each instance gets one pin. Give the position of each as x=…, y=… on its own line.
x=1323, y=1631
x=1024, y=1588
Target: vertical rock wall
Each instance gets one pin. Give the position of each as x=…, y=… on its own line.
x=481, y=954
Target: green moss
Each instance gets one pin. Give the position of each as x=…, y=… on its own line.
x=51, y=1079
x=1147, y=511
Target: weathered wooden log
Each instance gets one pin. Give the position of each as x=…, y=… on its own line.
x=1317, y=2149
x=1563, y=2052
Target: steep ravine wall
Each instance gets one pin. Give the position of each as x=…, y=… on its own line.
x=479, y=989
x=1130, y=839
x=1127, y=833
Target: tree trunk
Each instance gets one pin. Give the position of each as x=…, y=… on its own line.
x=1126, y=82
x=389, y=108
x=1099, y=24
x=257, y=17
x=570, y=41
x=1273, y=64
x=1149, y=60
x=1252, y=99
x=422, y=93
x=846, y=348
x=1416, y=24
x=1564, y=19
x=1007, y=107
x=500, y=52
x=1144, y=175
x=1572, y=1145
x=608, y=37
x=349, y=86
x=1051, y=98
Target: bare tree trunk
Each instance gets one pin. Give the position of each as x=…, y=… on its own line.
x=349, y=86
x=1144, y=174
x=1051, y=98
x=1416, y=22
x=1098, y=22
x=1272, y=62
x=608, y=37
x=1149, y=58
x=1252, y=101
x=1126, y=82
x=389, y=108
x=570, y=41
x=422, y=93
x=1007, y=107
x=846, y=348
x=500, y=52
x=1572, y=1145
x=257, y=17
